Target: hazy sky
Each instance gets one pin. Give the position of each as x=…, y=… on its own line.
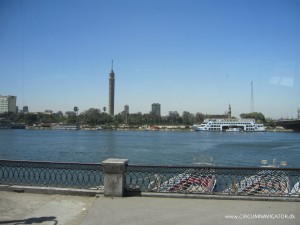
x=193, y=55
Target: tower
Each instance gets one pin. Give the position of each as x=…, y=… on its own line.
x=111, y=99
x=229, y=112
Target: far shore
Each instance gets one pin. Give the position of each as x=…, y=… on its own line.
x=172, y=128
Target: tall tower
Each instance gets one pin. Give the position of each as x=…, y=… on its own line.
x=229, y=112
x=111, y=99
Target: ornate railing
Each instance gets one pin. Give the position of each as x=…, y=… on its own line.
x=233, y=181
x=214, y=180
x=52, y=174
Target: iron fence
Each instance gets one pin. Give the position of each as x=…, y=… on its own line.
x=260, y=181
x=52, y=174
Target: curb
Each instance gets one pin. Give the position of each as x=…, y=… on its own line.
x=51, y=190
x=219, y=197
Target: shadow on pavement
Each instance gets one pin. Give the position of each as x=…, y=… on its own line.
x=32, y=220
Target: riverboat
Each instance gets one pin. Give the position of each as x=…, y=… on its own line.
x=265, y=182
x=193, y=180
x=296, y=189
x=65, y=127
x=243, y=125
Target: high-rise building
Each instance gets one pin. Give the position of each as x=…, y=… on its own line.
x=126, y=109
x=8, y=104
x=126, y=113
x=156, y=109
x=111, y=99
x=25, y=109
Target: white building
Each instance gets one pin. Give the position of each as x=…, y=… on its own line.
x=8, y=104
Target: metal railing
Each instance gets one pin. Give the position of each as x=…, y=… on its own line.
x=51, y=174
x=214, y=180
x=249, y=181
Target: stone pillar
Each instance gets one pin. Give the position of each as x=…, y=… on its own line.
x=114, y=177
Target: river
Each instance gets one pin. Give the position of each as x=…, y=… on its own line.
x=150, y=147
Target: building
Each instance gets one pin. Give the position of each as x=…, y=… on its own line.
x=126, y=113
x=48, y=111
x=8, y=104
x=25, y=109
x=156, y=109
x=111, y=98
x=126, y=109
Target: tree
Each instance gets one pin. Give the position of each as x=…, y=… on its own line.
x=30, y=118
x=199, y=118
x=259, y=117
x=187, y=118
x=173, y=117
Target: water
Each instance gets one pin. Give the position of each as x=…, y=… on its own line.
x=142, y=147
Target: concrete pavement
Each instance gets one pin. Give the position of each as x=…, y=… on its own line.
x=28, y=208
x=45, y=209
x=151, y=210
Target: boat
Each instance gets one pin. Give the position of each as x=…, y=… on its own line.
x=193, y=180
x=245, y=125
x=65, y=127
x=296, y=189
x=265, y=182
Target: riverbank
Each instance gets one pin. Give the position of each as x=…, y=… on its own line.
x=142, y=128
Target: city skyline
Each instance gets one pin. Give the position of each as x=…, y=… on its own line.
x=196, y=56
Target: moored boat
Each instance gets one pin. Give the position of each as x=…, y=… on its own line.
x=247, y=125
x=296, y=189
x=265, y=182
x=65, y=127
x=193, y=180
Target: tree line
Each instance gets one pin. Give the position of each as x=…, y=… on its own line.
x=93, y=117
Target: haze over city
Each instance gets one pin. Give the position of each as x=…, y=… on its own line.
x=196, y=56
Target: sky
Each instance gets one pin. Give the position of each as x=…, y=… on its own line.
x=187, y=55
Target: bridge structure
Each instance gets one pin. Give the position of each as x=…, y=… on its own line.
x=293, y=124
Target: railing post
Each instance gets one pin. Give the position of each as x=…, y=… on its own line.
x=114, y=177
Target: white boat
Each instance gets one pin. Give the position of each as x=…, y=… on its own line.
x=265, y=182
x=65, y=127
x=296, y=189
x=191, y=181
x=246, y=125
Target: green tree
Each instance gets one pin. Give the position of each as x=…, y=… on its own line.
x=258, y=116
x=30, y=118
x=187, y=118
x=199, y=118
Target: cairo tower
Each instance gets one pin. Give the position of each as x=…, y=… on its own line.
x=111, y=99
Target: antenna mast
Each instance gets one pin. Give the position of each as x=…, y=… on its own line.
x=252, y=99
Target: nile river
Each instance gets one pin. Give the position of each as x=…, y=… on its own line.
x=148, y=147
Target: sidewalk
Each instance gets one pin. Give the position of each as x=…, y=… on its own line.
x=150, y=210
x=27, y=208
x=45, y=209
